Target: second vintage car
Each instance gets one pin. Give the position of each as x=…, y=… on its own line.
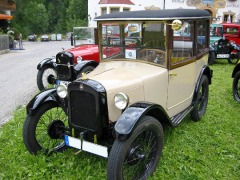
x=119, y=110
x=84, y=53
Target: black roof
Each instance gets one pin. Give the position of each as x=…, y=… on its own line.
x=156, y=15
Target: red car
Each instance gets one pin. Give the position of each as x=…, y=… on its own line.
x=85, y=51
x=232, y=32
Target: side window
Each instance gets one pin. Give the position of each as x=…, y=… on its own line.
x=202, y=30
x=182, y=43
x=232, y=30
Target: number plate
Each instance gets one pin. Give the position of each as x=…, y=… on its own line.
x=223, y=55
x=86, y=146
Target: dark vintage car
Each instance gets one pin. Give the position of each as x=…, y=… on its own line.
x=119, y=110
x=84, y=54
x=45, y=37
x=228, y=46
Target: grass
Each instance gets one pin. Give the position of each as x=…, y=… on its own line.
x=209, y=149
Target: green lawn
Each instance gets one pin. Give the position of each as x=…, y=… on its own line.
x=209, y=149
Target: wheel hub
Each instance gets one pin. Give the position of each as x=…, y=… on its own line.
x=56, y=129
x=135, y=155
x=51, y=79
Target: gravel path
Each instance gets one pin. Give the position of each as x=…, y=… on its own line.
x=18, y=73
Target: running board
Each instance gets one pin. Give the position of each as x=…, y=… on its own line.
x=179, y=117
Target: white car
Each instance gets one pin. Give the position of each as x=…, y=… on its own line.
x=118, y=110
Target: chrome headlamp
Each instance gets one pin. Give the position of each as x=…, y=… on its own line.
x=62, y=90
x=121, y=100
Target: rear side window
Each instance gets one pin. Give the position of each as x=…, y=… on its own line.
x=232, y=30
x=202, y=34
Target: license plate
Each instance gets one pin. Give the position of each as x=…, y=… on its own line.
x=86, y=146
x=223, y=55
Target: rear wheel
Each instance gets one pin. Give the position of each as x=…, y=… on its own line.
x=236, y=87
x=44, y=77
x=44, y=130
x=138, y=156
x=202, y=99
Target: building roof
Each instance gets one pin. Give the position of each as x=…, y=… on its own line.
x=116, y=2
x=5, y=17
x=157, y=15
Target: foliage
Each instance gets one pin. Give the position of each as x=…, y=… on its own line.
x=208, y=149
x=42, y=16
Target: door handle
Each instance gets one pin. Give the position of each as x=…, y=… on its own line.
x=172, y=74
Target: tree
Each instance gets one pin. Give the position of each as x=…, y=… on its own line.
x=37, y=18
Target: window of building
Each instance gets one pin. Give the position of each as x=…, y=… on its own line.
x=114, y=10
x=103, y=10
x=126, y=9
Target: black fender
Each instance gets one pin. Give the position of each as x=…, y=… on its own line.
x=44, y=96
x=205, y=71
x=51, y=62
x=129, y=118
x=83, y=64
x=236, y=69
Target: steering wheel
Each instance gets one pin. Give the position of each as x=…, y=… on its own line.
x=152, y=55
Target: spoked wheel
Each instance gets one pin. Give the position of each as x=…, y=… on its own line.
x=236, y=87
x=138, y=156
x=202, y=100
x=45, y=78
x=44, y=130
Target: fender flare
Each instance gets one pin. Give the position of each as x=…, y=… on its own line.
x=205, y=71
x=129, y=118
x=47, y=62
x=83, y=64
x=236, y=69
x=44, y=96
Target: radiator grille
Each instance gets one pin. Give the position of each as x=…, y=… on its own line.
x=83, y=110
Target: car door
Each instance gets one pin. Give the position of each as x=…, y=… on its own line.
x=182, y=67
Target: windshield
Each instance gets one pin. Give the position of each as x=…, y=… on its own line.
x=139, y=41
x=216, y=31
x=83, y=35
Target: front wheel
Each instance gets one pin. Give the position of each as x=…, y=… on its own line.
x=44, y=130
x=44, y=77
x=236, y=87
x=211, y=58
x=138, y=156
x=202, y=99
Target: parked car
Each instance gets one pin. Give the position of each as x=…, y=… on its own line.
x=32, y=37
x=224, y=49
x=232, y=32
x=44, y=37
x=119, y=109
x=216, y=32
x=236, y=82
x=85, y=52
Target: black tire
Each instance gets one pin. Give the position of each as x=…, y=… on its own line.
x=202, y=99
x=138, y=156
x=211, y=58
x=233, y=58
x=236, y=87
x=85, y=70
x=43, y=77
x=44, y=130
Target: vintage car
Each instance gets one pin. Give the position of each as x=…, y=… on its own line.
x=84, y=49
x=226, y=44
x=236, y=82
x=216, y=32
x=119, y=110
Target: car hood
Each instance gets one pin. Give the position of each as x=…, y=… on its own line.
x=135, y=79
x=84, y=49
x=119, y=76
